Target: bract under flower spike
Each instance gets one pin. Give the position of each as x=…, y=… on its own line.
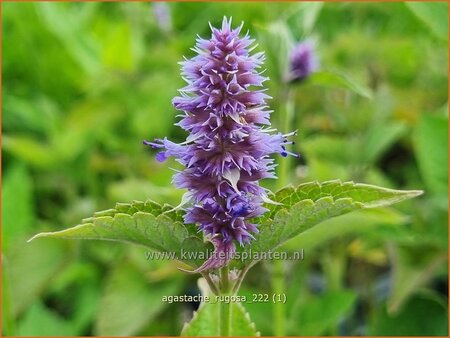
x=227, y=152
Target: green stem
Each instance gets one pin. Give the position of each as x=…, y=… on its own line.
x=211, y=284
x=225, y=307
x=278, y=280
x=239, y=280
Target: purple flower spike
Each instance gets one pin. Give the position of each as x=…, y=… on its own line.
x=227, y=150
x=303, y=61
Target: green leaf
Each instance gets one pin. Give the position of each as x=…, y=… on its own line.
x=68, y=27
x=364, y=221
x=339, y=80
x=422, y=316
x=41, y=321
x=309, y=14
x=206, y=319
x=298, y=209
x=321, y=312
x=17, y=207
x=432, y=14
x=39, y=262
x=258, y=310
x=309, y=204
x=413, y=267
x=145, y=223
x=378, y=139
x=278, y=41
x=431, y=143
x=128, y=286
x=30, y=150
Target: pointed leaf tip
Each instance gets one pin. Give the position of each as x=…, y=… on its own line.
x=147, y=223
x=301, y=208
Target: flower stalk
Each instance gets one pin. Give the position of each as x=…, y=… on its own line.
x=224, y=306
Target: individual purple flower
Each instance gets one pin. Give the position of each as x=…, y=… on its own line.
x=227, y=151
x=303, y=61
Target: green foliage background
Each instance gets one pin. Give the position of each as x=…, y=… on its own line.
x=85, y=83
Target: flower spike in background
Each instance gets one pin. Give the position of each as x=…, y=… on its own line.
x=227, y=151
x=303, y=62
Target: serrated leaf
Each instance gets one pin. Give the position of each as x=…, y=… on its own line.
x=206, y=322
x=145, y=223
x=312, y=203
x=298, y=209
x=369, y=196
x=365, y=221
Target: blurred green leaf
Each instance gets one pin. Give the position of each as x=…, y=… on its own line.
x=278, y=42
x=68, y=27
x=140, y=189
x=129, y=301
x=321, y=312
x=363, y=221
x=414, y=265
x=431, y=145
x=206, y=321
x=17, y=206
x=29, y=150
x=86, y=307
x=41, y=321
x=20, y=113
x=29, y=268
x=309, y=14
x=338, y=80
x=325, y=147
x=117, y=50
x=421, y=316
x=433, y=14
x=378, y=139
